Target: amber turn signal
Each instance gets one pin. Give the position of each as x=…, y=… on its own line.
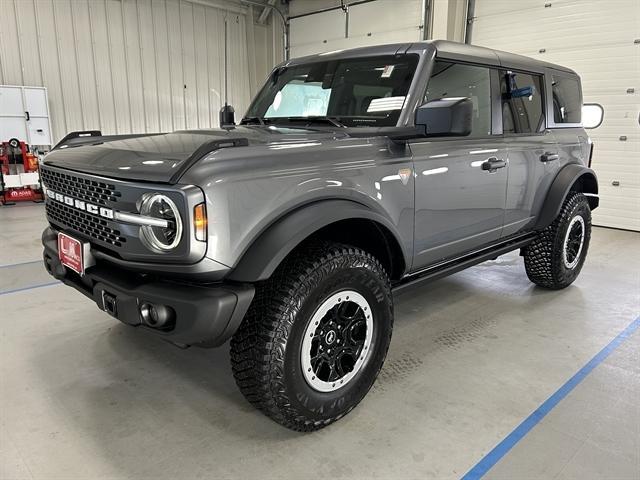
x=200, y=222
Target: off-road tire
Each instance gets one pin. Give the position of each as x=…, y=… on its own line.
x=543, y=258
x=266, y=349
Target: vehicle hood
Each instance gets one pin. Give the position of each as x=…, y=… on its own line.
x=164, y=158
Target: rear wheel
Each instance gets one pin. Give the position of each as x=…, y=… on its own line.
x=315, y=337
x=554, y=259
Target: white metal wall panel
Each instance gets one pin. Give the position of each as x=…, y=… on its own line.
x=10, y=65
x=87, y=77
x=596, y=39
x=28, y=45
x=163, y=79
x=188, y=65
x=118, y=62
x=130, y=65
x=174, y=30
x=382, y=21
x=133, y=66
x=312, y=33
x=67, y=59
x=215, y=63
x=149, y=74
x=51, y=70
x=239, y=62
x=200, y=62
x=267, y=49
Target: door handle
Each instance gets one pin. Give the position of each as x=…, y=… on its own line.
x=548, y=157
x=492, y=164
x=27, y=115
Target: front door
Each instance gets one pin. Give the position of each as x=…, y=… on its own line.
x=460, y=183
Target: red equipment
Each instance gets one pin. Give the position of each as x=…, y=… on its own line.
x=19, y=174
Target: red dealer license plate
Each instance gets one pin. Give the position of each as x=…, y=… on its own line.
x=71, y=252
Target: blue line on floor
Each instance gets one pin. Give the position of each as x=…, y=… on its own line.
x=500, y=450
x=21, y=263
x=22, y=289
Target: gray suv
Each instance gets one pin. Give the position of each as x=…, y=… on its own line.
x=353, y=175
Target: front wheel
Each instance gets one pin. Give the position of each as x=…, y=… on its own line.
x=555, y=257
x=315, y=337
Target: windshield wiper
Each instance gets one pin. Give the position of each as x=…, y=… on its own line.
x=309, y=120
x=256, y=120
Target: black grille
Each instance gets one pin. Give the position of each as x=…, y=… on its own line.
x=81, y=188
x=84, y=223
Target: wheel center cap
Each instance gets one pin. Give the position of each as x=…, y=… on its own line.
x=330, y=337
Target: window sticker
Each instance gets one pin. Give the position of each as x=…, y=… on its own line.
x=386, y=104
x=387, y=71
x=277, y=101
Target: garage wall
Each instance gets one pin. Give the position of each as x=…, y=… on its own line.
x=373, y=23
x=126, y=66
x=266, y=49
x=382, y=21
x=597, y=39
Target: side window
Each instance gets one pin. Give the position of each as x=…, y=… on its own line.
x=522, y=110
x=457, y=80
x=567, y=101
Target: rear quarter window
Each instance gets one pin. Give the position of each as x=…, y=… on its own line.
x=567, y=99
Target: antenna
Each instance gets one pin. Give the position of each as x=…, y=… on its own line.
x=225, y=62
x=227, y=113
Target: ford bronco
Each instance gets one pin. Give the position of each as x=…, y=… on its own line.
x=352, y=175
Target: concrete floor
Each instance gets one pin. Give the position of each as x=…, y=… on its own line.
x=82, y=396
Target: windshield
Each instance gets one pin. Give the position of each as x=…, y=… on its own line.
x=353, y=92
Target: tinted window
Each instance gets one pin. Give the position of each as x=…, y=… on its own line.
x=567, y=101
x=457, y=80
x=522, y=103
x=355, y=91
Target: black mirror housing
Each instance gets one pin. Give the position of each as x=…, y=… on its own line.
x=446, y=117
x=227, y=116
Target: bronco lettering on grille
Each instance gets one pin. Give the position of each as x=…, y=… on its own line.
x=80, y=205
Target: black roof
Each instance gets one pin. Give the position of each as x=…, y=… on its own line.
x=443, y=49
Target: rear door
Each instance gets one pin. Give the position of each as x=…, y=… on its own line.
x=533, y=154
x=459, y=206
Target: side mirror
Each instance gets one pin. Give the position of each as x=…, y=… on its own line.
x=592, y=115
x=447, y=117
x=227, y=116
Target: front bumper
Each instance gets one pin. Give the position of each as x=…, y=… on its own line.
x=204, y=315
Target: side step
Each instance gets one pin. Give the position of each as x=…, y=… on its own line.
x=449, y=267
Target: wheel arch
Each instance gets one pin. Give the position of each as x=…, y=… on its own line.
x=573, y=177
x=337, y=220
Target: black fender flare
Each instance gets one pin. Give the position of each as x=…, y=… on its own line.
x=560, y=187
x=271, y=247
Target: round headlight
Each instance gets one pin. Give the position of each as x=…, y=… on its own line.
x=161, y=238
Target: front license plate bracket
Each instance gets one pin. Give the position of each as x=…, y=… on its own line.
x=74, y=254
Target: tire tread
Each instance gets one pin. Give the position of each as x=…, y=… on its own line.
x=258, y=347
x=542, y=256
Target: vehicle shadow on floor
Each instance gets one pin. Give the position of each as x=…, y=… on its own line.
x=138, y=385
x=199, y=374
x=200, y=378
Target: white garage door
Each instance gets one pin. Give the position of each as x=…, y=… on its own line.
x=374, y=23
x=24, y=114
x=601, y=41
